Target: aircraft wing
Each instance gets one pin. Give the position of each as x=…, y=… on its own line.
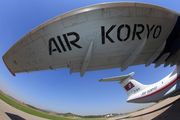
x=97, y=37
x=118, y=78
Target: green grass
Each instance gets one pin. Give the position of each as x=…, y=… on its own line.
x=34, y=112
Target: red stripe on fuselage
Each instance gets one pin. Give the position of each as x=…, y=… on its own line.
x=157, y=90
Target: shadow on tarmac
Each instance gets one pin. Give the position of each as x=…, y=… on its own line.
x=14, y=117
x=172, y=113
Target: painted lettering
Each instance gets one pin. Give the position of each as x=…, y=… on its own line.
x=54, y=46
x=149, y=30
x=52, y=42
x=137, y=89
x=157, y=31
x=67, y=42
x=73, y=42
x=61, y=43
x=103, y=33
x=143, y=93
x=127, y=27
x=137, y=31
x=152, y=89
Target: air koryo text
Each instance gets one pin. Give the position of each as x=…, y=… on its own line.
x=64, y=42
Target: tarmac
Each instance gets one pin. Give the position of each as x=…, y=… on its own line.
x=8, y=112
x=168, y=109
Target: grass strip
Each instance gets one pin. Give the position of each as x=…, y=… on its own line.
x=37, y=113
x=28, y=110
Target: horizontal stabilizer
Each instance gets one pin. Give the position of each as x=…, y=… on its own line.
x=128, y=83
x=119, y=78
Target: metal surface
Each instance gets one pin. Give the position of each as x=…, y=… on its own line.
x=115, y=29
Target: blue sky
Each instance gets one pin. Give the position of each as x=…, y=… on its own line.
x=57, y=90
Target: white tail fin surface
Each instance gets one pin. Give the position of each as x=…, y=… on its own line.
x=128, y=83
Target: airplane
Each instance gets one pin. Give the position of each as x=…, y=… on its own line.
x=105, y=36
x=97, y=37
x=139, y=93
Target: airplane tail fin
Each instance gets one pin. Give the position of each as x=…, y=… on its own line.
x=128, y=83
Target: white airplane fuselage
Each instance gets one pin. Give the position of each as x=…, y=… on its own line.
x=139, y=93
x=168, y=86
